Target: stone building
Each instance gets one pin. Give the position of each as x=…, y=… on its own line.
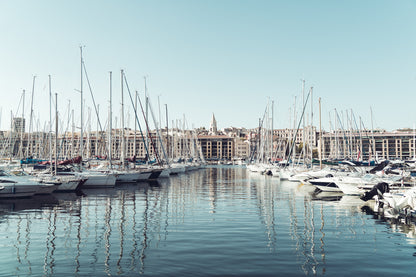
x=369, y=145
x=219, y=147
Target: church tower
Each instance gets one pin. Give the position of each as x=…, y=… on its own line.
x=213, y=126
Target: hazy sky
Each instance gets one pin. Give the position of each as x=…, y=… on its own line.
x=201, y=57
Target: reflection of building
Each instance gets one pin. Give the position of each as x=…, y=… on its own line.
x=19, y=124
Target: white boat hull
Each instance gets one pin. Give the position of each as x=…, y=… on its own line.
x=99, y=180
x=17, y=190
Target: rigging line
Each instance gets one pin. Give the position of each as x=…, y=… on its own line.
x=370, y=141
x=343, y=132
x=20, y=103
x=137, y=118
x=102, y=134
x=358, y=129
x=297, y=129
x=92, y=96
x=157, y=131
x=355, y=121
x=261, y=125
x=149, y=134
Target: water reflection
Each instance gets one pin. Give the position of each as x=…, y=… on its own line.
x=227, y=217
x=406, y=225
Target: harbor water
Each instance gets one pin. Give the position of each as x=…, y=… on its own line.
x=216, y=221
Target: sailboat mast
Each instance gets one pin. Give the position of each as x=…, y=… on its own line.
x=320, y=135
x=10, y=138
x=21, y=129
x=122, y=122
x=414, y=140
x=135, y=125
x=73, y=133
x=110, y=118
x=372, y=136
x=56, y=133
x=271, y=135
x=50, y=120
x=311, y=128
x=304, y=134
x=31, y=115
x=81, y=143
x=167, y=130
x=146, y=115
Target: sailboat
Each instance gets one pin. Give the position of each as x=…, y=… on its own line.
x=92, y=178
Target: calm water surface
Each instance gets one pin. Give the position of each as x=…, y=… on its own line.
x=216, y=221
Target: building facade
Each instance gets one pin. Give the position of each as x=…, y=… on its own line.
x=241, y=148
x=369, y=146
x=219, y=147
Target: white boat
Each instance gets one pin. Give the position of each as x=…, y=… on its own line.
x=285, y=173
x=155, y=173
x=328, y=180
x=326, y=184
x=258, y=167
x=275, y=171
x=133, y=175
x=359, y=185
x=398, y=203
x=176, y=168
x=45, y=185
x=158, y=171
x=17, y=186
x=97, y=179
x=69, y=181
x=47, y=188
x=165, y=173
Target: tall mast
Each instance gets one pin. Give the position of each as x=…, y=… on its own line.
x=98, y=147
x=167, y=130
x=336, y=134
x=271, y=135
x=21, y=129
x=81, y=143
x=372, y=135
x=311, y=127
x=304, y=135
x=320, y=135
x=31, y=115
x=10, y=138
x=73, y=133
x=294, y=129
x=135, y=125
x=158, y=125
x=122, y=122
x=146, y=107
x=414, y=139
x=110, y=118
x=50, y=120
x=56, y=132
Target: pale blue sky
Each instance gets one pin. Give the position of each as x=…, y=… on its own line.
x=223, y=57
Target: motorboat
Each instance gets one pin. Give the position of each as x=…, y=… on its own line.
x=12, y=186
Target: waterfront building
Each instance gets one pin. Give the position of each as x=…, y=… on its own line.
x=367, y=145
x=226, y=144
x=18, y=124
x=241, y=148
x=307, y=136
x=219, y=147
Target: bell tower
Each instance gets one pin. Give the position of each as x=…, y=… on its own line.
x=213, y=126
